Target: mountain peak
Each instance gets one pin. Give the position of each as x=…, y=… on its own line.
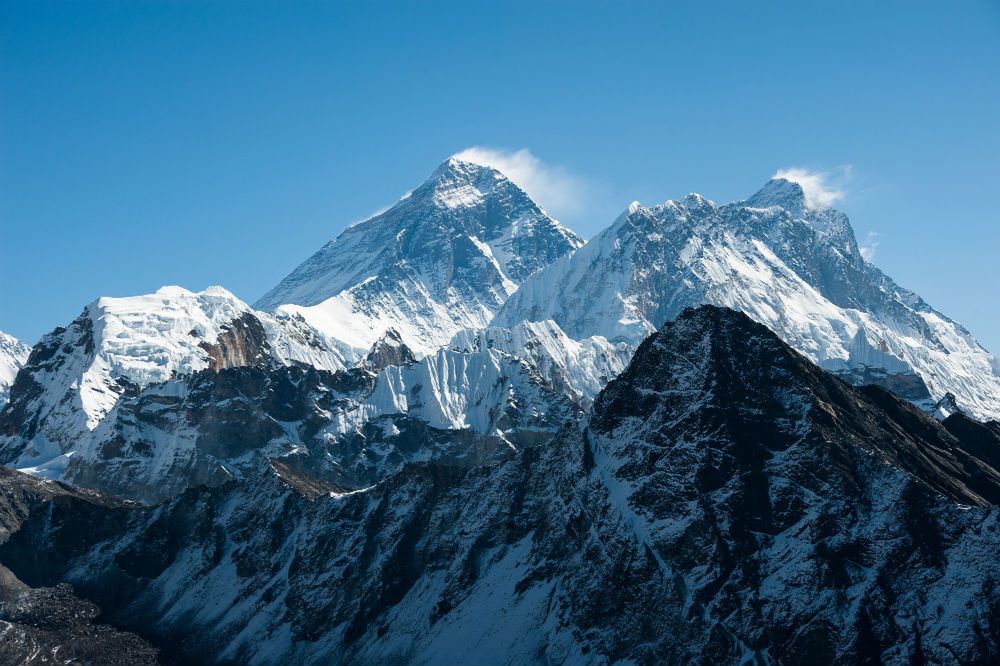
x=458, y=183
x=780, y=192
x=443, y=258
x=714, y=373
x=462, y=169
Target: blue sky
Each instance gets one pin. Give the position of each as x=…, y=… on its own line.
x=150, y=143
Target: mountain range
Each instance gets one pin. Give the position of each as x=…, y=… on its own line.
x=458, y=434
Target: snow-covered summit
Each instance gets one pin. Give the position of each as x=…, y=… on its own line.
x=151, y=338
x=76, y=374
x=783, y=193
x=13, y=354
x=443, y=258
x=795, y=268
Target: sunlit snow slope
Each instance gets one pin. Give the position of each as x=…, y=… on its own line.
x=13, y=354
x=444, y=258
x=796, y=269
x=117, y=346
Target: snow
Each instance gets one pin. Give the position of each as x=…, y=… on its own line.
x=768, y=257
x=148, y=339
x=441, y=260
x=125, y=344
x=513, y=324
x=13, y=355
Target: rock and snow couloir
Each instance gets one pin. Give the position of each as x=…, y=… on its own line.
x=795, y=269
x=443, y=259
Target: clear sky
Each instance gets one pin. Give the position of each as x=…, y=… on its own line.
x=151, y=143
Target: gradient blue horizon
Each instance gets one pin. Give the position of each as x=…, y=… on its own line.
x=152, y=143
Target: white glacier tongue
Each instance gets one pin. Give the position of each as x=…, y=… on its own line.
x=150, y=338
x=444, y=258
x=792, y=267
x=13, y=355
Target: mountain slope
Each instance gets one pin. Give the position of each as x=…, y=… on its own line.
x=726, y=501
x=47, y=625
x=181, y=410
x=13, y=354
x=797, y=270
x=75, y=376
x=445, y=257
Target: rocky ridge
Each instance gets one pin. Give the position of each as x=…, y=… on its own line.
x=725, y=500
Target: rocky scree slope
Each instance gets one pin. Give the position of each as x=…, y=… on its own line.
x=726, y=500
x=48, y=625
x=796, y=269
x=444, y=258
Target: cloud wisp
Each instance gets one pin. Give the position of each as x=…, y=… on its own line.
x=821, y=189
x=869, y=246
x=552, y=187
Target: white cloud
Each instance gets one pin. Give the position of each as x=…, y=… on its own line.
x=868, y=248
x=821, y=188
x=552, y=187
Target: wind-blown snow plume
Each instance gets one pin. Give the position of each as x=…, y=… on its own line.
x=554, y=188
x=818, y=187
x=870, y=245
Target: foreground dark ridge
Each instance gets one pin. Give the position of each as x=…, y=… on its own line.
x=49, y=625
x=725, y=500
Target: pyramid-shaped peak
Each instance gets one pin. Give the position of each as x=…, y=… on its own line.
x=460, y=183
x=458, y=167
x=455, y=170
x=780, y=192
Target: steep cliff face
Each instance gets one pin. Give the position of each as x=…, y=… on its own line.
x=725, y=500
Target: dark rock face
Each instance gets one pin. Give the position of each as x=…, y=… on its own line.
x=17, y=417
x=243, y=342
x=387, y=351
x=52, y=624
x=726, y=500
